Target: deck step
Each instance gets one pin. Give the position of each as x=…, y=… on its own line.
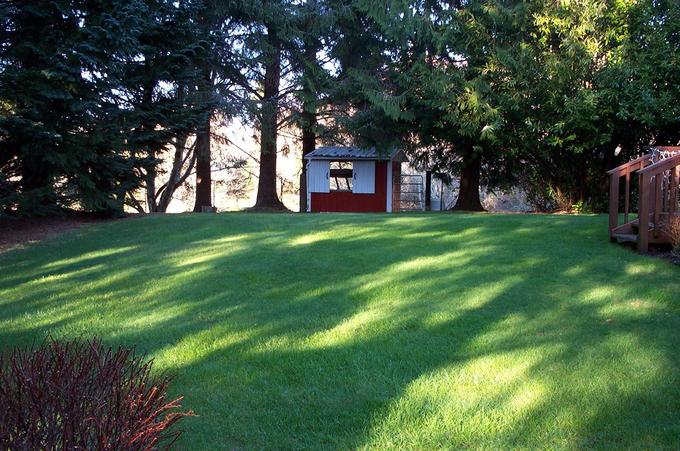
x=625, y=237
x=636, y=226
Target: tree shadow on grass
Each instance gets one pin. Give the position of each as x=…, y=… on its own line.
x=350, y=331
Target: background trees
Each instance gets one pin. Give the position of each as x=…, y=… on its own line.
x=445, y=91
x=59, y=130
x=599, y=90
x=93, y=95
x=101, y=102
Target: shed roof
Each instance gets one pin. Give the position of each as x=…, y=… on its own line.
x=353, y=153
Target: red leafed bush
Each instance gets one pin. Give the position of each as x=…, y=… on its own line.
x=81, y=395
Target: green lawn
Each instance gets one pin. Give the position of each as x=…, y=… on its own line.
x=373, y=331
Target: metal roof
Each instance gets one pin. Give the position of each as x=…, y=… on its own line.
x=349, y=153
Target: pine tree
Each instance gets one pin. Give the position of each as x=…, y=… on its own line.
x=436, y=92
x=163, y=93
x=267, y=35
x=60, y=146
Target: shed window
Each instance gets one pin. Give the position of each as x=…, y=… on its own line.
x=341, y=176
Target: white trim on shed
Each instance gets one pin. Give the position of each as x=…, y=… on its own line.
x=390, y=187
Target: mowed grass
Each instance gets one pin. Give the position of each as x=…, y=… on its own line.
x=373, y=331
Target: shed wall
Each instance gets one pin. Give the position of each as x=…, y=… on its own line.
x=342, y=201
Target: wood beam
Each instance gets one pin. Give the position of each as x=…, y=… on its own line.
x=627, y=198
x=658, y=201
x=613, y=202
x=643, y=229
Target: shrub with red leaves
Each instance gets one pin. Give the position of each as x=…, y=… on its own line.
x=81, y=395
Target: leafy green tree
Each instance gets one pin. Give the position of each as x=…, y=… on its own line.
x=567, y=118
x=601, y=78
x=642, y=80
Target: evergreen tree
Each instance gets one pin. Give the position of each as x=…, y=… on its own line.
x=437, y=91
x=161, y=93
x=263, y=52
x=61, y=145
x=93, y=95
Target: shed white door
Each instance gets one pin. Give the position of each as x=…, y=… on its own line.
x=317, y=176
x=364, y=177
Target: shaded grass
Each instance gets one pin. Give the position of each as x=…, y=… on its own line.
x=374, y=331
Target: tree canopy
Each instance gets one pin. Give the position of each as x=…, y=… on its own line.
x=105, y=104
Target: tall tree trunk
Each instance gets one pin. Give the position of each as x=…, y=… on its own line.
x=203, y=157
x=428, y=190
x=177, y=174
x=266, y=187
x=310, y=96
x=468, y=194
x=203, y=172
x=151, y=206
x=308, y=145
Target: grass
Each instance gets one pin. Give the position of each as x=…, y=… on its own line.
x=373, y=331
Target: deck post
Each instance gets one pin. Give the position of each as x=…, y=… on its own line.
x=658, y=201
x=643, y=214
x=626, y=210
x=613, y=202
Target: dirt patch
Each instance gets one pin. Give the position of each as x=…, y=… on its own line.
x=671, y=258
x=282, y=209
x=664, y=253
x=17, y=232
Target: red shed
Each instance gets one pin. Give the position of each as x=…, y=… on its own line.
x=350, y=179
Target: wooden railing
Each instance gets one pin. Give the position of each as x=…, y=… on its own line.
x=657, y=197
x=660, y=180
x=625, y=170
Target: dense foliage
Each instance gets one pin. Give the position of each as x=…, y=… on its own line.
x=95, y=96
x=532, y=93
x=599, y=78
x=91, y=95
x=81, y=395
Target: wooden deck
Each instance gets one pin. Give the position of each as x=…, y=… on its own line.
x=657, y=198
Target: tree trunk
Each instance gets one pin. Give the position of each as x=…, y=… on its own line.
x=202, y=150
x=310, y=96
x=468, y=194
x=203, y=173
x=151, y=192
x=267, y=197
x=308, y=145
x=176, y=177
